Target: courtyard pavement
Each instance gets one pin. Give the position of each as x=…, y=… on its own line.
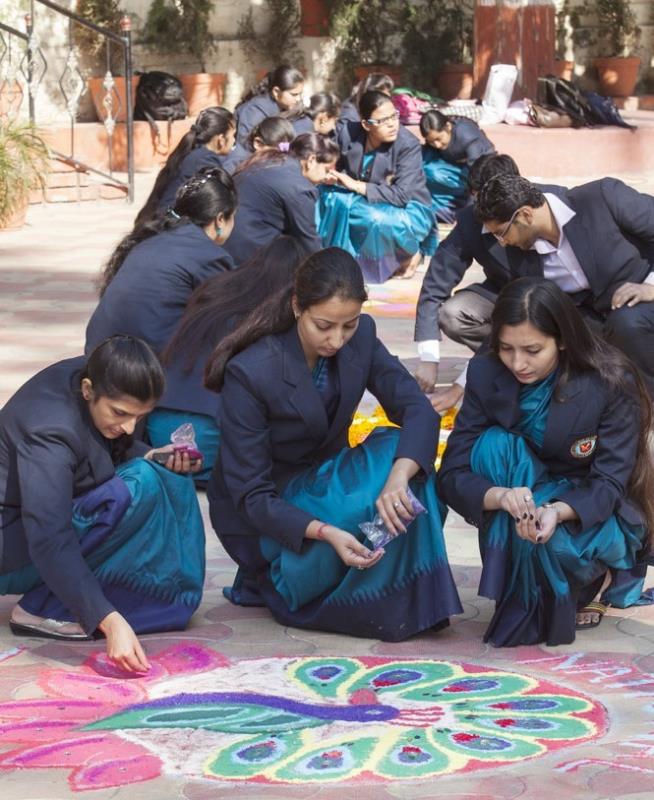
x=605, y=745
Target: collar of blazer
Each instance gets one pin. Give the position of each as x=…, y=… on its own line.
x=504, y=405
x=98, y=449
x=305, y=398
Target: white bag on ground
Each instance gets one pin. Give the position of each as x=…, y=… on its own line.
x=499, y=88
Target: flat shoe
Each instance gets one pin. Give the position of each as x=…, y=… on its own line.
x=47, y=629
x=591, y=608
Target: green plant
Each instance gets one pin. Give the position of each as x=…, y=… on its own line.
x=107, y=14
x=23, y=163
x=436, y=32
x=279, y=42
x=174, y=25
x=607, y=28
x=366, y=32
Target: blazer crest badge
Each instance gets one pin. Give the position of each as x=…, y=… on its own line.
x=584, y=447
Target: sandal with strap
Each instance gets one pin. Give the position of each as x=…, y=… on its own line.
x=595, y=607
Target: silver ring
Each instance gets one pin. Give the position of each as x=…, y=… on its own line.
x=527, y=498
x=359, y=567
x=396, y=505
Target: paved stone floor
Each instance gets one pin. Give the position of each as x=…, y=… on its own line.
x=47, y=273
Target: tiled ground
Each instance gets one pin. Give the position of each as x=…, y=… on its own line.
x=46, y=293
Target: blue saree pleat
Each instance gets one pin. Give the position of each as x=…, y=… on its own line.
x=537, y=587
x=447, y=184
x=379, y=235
x=163, y=421
x=142, y=535
x=409, y=590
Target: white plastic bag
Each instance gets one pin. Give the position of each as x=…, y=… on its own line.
x=499, y=88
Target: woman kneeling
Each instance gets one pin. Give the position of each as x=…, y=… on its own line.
x=549, y=459
x=287, y=494
x=92, y=539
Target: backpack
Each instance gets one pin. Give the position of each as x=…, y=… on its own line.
x=410, y=105
x=605, y=111
x=563, y=96
x=159, y=96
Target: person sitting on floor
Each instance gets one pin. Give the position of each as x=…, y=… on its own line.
x=550, y=460
x=154, y=270
x=209, y=143
x=374, y=82
x=277, y=195
x=280, y=91
x=287, y=494
x=596, y=242
x=380, y=212
x=320, y=116
x=464, y=316
x=94, y=538
x=213, y=310
x=452, y=145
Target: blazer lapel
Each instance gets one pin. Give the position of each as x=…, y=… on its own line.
x=503, y=403
x=562, y=417
x=302, y=395
x=351, y=378
x=581, y=243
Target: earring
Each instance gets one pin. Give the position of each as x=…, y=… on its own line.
x=218, y=231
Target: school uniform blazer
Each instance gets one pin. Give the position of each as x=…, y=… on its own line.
x=197, y=159
x=396, y=177
x=612, y=236
x=251, y=112
x=468, y=142
x=274, y=425
x=349, y=113
x=50, y=453
x=466, y=243
x=273, y=200
x=237, y=155
x=149, y=292
x=303, y=124
x=588, y=413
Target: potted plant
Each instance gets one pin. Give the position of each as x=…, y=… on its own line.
x=278, y=42
x=438, y=46
x=614, y=35
x=107, y=14
x=368, y=37
x=23, y=164
x=172, y=26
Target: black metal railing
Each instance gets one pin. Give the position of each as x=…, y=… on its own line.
x=24, y=67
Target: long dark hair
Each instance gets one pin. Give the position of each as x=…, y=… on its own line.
x=284, y=77
x=200, y=200
x=306, y=144
x=328, y=273
x=319, y=103
x=552, y=312
x=433, y=120
x=210, y=122
x=272, y=131
x=225, y=299
x=370, y=101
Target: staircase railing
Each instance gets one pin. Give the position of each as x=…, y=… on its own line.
x=24, y=67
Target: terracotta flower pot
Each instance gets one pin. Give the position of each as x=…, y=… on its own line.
x=15, y=220
x=394, y=72
x=202, y=90
x=98, y=93
x=314, y=17
x=617, y=76
x=563, y=68
x=455, y=81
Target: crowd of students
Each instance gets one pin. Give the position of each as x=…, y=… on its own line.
x=236, y=304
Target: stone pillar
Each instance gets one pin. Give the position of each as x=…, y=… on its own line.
x=520, y=32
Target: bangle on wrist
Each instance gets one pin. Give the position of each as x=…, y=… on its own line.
x=556, y=508
x=320, y=534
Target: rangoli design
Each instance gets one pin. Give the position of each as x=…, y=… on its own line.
x=288, y=720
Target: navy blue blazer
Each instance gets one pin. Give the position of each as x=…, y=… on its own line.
x=149, y=292
x=302, y=124
x=349, y=113
x=50, y=453
x=468, y=142
x=463, y=245
x=612, y=236
x=396, y=177
x=274, y=425
x=235, y=158
x=194, y=161
x=251, y=112
x=273, y=200
x=185, y=390
x=588, y=409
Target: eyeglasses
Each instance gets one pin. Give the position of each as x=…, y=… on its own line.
x=384, y=120
x=501, y=237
